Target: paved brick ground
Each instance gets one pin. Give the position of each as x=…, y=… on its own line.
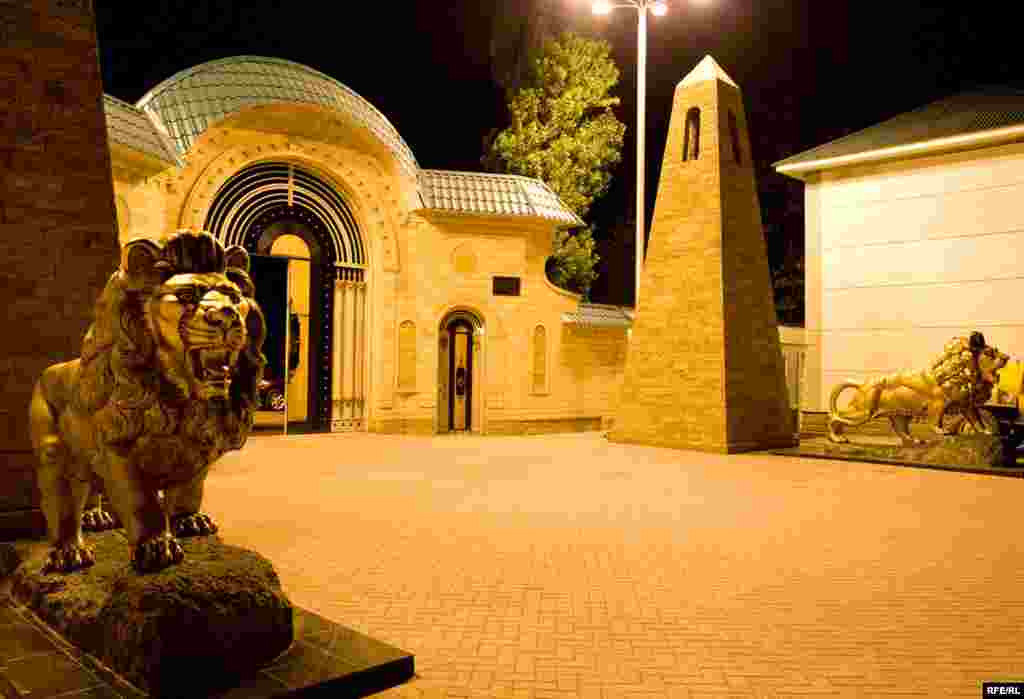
x=566, y=566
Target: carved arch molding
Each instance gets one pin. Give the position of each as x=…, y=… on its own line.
x=376, y=212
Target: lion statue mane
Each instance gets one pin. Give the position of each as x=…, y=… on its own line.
x=958, y=382
x=166, y=383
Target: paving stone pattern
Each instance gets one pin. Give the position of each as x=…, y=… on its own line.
x=569, y=566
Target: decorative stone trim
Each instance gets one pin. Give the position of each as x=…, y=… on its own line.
x=560, y=291
x=348, y=425
x=367, y=206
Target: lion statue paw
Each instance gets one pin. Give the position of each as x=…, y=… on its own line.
x=97, y=519
x=66, y=558
x=157, y=553
x=195, y=524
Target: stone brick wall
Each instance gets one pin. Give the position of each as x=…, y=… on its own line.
x=417, y=426
x=756, y=396
x=552, y=426
x=58, y=235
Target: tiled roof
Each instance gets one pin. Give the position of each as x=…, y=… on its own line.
x=488, y=194
x=600, y=315
x=973, y=111
x=130, y=127
x=189, y=102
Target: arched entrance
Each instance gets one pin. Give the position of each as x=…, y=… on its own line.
x=270, y=202
x=460, y=373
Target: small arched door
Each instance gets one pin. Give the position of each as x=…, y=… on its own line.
x=456, y=379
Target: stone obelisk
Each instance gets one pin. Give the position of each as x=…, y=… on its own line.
x=704, y=369
x=58, y=227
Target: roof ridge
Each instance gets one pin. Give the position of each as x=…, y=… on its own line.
x=949, y=108
x=599, y=305
x=501, y=175
x=121, y=102
x=153, y=137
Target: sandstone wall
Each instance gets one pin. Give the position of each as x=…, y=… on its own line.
x=58, y=233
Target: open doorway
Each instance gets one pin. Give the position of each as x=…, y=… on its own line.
x=283, y=281
x=270, y=277
x=459, y=374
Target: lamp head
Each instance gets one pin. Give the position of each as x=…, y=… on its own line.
x=601, y=7
x=659, y=9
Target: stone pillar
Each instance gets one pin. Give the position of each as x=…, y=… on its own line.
x=336, y=350
x=58, y=227
x=704, y=369
x=347, y=361
x=359, y=350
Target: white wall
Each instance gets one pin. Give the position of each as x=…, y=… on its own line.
x=911, y=254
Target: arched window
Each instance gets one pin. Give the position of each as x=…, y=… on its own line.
x=540, y=360
x=691, y=136
x=734, y=134
x=407, y=356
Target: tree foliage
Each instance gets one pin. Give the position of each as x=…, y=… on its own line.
x=788, y=285
x=564, y=133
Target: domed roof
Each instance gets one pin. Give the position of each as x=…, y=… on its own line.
x=190, y=101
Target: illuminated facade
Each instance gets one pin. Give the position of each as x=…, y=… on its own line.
x=422, y=299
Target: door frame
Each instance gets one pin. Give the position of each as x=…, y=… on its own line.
x=476, y=418
x=452, y=329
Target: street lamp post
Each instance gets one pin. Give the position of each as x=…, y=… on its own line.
x=657, y=8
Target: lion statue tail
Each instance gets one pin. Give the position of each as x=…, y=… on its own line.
x=837, y=422
x=833, y=405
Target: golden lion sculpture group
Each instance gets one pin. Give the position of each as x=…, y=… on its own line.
x=958, y=382
x=166, y=383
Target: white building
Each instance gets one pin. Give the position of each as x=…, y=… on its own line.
x=914, y=233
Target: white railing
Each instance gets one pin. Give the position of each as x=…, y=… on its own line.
x=794, y=355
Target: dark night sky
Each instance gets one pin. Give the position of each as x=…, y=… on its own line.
x=810, y=70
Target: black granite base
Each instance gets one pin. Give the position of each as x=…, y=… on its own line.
x=325, y=659
x=881, y=451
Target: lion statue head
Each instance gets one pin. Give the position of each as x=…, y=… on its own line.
x=968, y=368
x=176, y=344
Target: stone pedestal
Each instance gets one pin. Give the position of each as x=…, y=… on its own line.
x=982, y=450
x=58, y=230
x=217, y=625
x=215, y=617
x=989, y=454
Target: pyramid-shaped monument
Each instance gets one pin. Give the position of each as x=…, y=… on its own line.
x=704, y=369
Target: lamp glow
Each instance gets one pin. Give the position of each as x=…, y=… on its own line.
x=658, y=8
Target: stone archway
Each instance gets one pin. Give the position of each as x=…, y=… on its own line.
x=266, y=200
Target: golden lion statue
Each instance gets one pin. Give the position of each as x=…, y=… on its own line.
x=166, y=384
x=959, y=381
